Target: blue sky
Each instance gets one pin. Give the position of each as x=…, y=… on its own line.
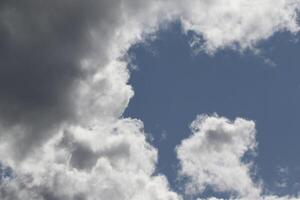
x=173, y=85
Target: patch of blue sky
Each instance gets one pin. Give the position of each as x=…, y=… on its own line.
x=173, y=85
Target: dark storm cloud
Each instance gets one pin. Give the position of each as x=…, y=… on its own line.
x=41, y=45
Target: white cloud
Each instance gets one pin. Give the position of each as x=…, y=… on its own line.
x=213, y=155
x=112, y=162
x=238, y=23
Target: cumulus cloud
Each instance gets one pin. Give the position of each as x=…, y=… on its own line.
x=113, y=162
x=63, y=90
x=238, y=24
x=59, y=62
x=59, y=59
x=213, y=156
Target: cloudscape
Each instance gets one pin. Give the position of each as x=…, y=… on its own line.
x=76, y=116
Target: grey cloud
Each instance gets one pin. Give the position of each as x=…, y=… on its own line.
x=83, y=157
x=50, y=195
x=41, y=47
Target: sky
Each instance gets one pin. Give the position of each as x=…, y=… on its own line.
x=173, y=85
x=149, y=100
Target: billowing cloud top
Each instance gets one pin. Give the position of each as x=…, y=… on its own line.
x=63, y=89
x=213, y=154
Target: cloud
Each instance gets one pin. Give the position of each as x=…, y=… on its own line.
x=60, y=64
x=112, y=162
x=213, y=156
x=42, y=45
x=63, y=90
x=60, y=59
x=237, y=24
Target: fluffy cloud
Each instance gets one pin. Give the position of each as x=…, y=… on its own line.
x=60, y=63
x=113, y=162
x=63, y=90
x=238, y=23
x=213, y=156
x=60, y=59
